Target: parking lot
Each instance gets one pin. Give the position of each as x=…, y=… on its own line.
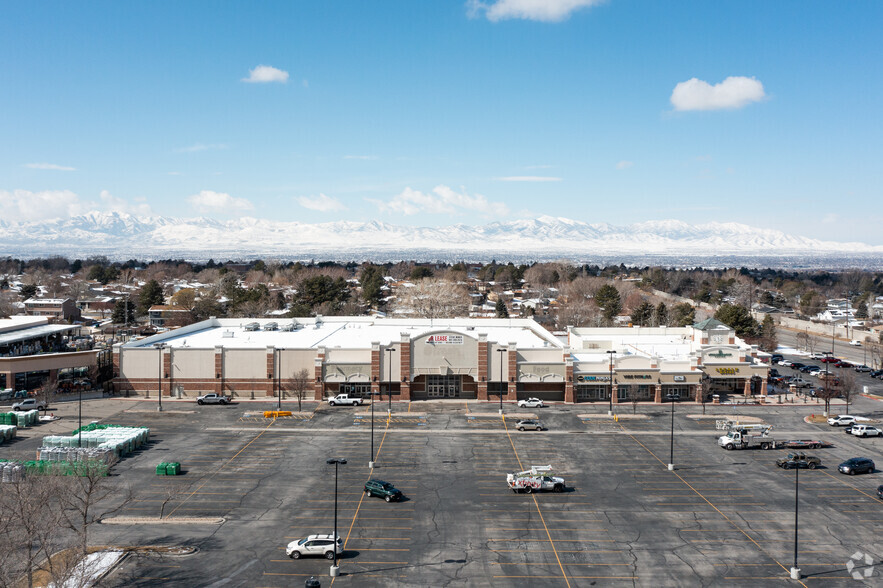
x=721, y=517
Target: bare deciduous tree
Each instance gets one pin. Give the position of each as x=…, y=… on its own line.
x=300, y=383
x=847, y=386
x=431, y=298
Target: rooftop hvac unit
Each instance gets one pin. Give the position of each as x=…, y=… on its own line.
x=287, y=327
x=227, y=334
x=272, y=326
x=251, y=327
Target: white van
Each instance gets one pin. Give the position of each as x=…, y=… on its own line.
x=855, y=343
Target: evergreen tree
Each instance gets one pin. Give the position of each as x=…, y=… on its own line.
x=28, y=291
x=500, y=309
x=737, y=317
x=861, y=311
x=371, y=281
x=683, y=315
x=769, y=340
x=123, y=312
x=662, y=315
x=608, y=300
x=150, y=295
x=643, y=314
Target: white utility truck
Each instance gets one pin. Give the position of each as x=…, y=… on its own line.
x=534, y=479
x=745, y=436
x=345, y=399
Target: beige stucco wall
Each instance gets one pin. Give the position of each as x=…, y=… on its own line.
x=428, y=358
x=245, y=364
x=139, y=363
x=193, y=363
x=292, y=361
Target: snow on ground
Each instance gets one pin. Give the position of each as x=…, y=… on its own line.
x=90, y=568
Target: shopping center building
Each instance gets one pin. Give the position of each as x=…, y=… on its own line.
x=418, y=359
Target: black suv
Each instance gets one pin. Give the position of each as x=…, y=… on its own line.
x=384, y=489
x=856, y=465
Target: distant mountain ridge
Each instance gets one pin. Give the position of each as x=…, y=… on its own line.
x=120, y=235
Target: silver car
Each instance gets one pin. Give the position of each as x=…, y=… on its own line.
x=314, y=545
x=529, y=425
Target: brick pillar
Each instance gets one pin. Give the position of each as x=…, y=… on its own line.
x=270, y=383
x=614, y=394
x=166, y=372
x=657, y=396
x=117, y=377
x=218, y=387
x=375, y=368
x=512, y=373
x=697, y=392
x=568, y=380
x=763, y=388
x=319, y=377
x=746, y=389
x=405, y=365
x=481, y=386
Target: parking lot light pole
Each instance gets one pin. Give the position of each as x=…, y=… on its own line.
x=501, y=351
x=160, y=347
x=80, y=419
x=827, y=397
x=671, y=448
x=335, y=571
x=389, y=350
x=371, y=461
x=611, y=352
x=795, y=571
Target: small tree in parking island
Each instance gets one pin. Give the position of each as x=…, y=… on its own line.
x=300, y=383
x=847, y=386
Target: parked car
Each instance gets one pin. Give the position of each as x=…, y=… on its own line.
x=531, y=403
x=315, y=545
x=815, y=371
x=785, y=362
x=855, y=343
x=799, y=382
x=345, y=399
x=29, y=404
x=865, y=369
x=876, y=374
x=383, y=489
x=818, y=356
x=776, y=358
x=880, y=492
x=796, y=365
x=798, y=460
x=773, y=372
x=841, y=420
x=529, y=425
x=856, y=465
x=212, y=399
x=842, y=363
x=859, y=430
x=829, y=359
x=809, y=368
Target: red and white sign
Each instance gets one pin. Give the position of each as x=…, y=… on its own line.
x=445, y=340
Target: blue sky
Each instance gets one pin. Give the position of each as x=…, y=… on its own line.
x=435, y=113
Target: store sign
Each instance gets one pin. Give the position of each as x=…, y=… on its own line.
x=593, y=378
x=720, y=354
x=636, y=376
x=680, y=378
x=727, y=371
x=445, y=340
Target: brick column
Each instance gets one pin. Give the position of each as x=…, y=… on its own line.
x=166, y=372
x=697, y=392
x=481, y=385
x=568, y=379
x=117, y=377
x=763, y=388
x=270, y=382
x=405, y=365
x=657, y=394
x=614, y=394
x=318, y=375
x=218, y=387
x=375, y=367
x=512, y=373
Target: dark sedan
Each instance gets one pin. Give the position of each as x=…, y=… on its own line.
x=880, y=492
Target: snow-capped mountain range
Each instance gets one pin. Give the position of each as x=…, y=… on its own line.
x=122, y=236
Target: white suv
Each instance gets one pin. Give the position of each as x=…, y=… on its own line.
x=314, y=545
x=841, y=420
x=530, y=403
x=866, y=431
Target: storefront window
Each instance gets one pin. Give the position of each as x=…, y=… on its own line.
x=443, y=386
x=588, y=393
x=356, y=389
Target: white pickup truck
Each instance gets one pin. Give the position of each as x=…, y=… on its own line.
x=213, y=399
x=534, y=479
x=344, y=399
x=29, y=404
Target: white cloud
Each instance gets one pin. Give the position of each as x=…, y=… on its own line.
x=624, y=164
x=24, y=205
x=196, y=147
x=50, y=166
x=541, y=10
x=442, y=200
x=175, y=173
x=264, y=74
x=733, y=92
x=208, y=201
x=322, y=203
x=361, y=157
x=528, y=179
x=113, y=204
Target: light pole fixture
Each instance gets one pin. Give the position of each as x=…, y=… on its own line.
x=671, y=448
x=611, y=353
x=795, y=571
x=389, y=350
x=80, y=419
x=371, y=460
x=501, y=351
x=278, y=377
x=160, y=347
x=827, y=395
x=335, y=571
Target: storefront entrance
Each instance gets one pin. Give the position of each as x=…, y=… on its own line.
x=442, y=386
x=590, y=393
x=357, y=389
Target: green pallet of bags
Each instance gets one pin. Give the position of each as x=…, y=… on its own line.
x=173, y=469
x=161, y=469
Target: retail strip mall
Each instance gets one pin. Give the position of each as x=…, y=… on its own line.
x=417, y=359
